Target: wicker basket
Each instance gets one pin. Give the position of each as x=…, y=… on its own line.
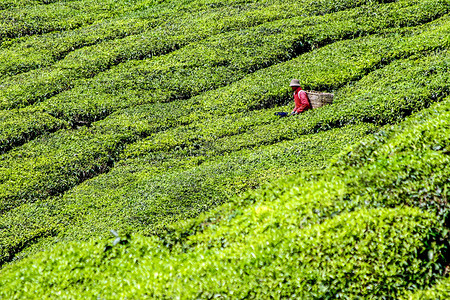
x=318, y=99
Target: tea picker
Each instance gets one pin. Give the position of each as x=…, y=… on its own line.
x=305, y=100
x=300, y=98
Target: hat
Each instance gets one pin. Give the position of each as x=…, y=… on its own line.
x=294, y=82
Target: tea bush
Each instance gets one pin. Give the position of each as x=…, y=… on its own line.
x=80, y=106
x=317, y=261
x=281, y=240
x=288, y=35
x=18, y=126
x=65, y=15
x=154, y=29
x=163, y=187
x=156, y=119
x=38, y=52
x=43, y=148
x=397, y=96
x=54, y=150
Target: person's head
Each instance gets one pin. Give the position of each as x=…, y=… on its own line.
x=295, y=84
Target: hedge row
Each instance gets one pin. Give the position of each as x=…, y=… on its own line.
x=399, y=96
x=7, y=4
x=28, y=171
x=406, y=164
x=53, y=163
x=194, y=148
x=89, y=61
x=231, y=56
x=371, y=224
x=65, y=15
x=280, y=259
x=389, y=95
x=126, y=127
x=19, y=126
x=151, y=192
x=177, y=24
x=350, y=255
x=39, y=52
x=277, y=236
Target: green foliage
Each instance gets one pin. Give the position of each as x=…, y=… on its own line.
x=157, y=118
x=307, y=262
x=41, y=169
x=282, y=236
x=164, y=187
x=37, y=52
x=439, y=291
x=232, y=54
x=124, y=86
x=28, y=173
x=61, y=15
x=411, y=162
x=18, y=127
x=125, y=127
x=292, y=242
x=178, y=23
x=352, y=254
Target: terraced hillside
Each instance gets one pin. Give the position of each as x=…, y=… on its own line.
x=140, y=156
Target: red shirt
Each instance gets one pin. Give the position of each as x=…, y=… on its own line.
x=301, y=101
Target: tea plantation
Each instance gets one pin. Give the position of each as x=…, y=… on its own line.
x=141, y=157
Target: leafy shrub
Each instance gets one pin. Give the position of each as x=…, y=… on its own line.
x=221, y=242
x=254, y=51
x=178, y=23
x=38, y=19
x=372, y=223
x=150, y=192
x=28, y=173
x=439, y=291
x=19, y=127
x=252, y=92
x=353, y=254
